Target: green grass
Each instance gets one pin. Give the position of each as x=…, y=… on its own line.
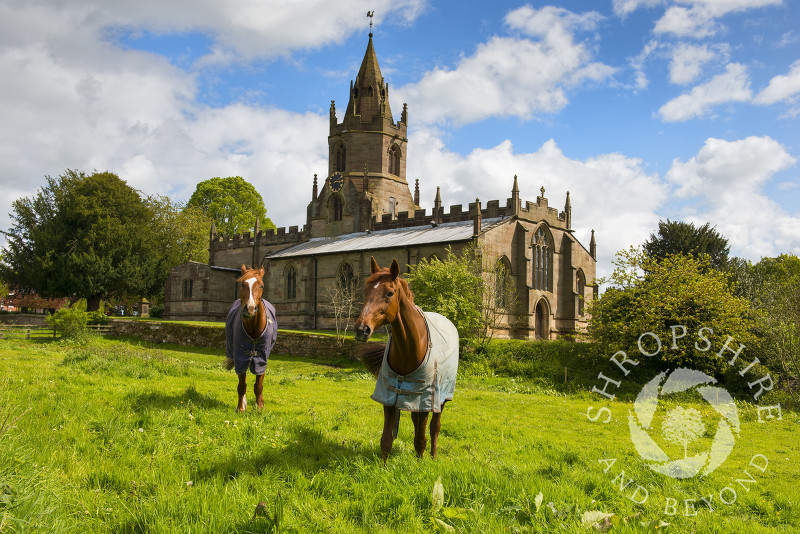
x=119, y=437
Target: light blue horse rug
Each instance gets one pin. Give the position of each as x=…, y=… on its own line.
x=433, y=382
x=245, y=351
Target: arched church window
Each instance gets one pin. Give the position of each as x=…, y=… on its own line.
x=580, y=285
x=291, y=283
x=503, y=284
x=337, y=208
x=394, y=160
x=542, y=261
x=340, y=159
x=346, y=278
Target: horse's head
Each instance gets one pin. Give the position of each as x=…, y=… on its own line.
x=382, y=293
x=252, y=287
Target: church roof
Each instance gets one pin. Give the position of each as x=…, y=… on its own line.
x=383, y=239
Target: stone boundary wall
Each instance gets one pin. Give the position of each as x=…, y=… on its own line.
x=213, y=336
x=24, y=318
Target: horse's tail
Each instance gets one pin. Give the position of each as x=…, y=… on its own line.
x=372, y=357
x=228, y=363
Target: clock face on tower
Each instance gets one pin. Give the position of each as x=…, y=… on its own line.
x=337, y=181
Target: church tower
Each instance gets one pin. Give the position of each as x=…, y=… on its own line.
x=368, y=149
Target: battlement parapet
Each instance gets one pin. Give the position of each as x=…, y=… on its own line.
x=533, y=211
x=263, y=238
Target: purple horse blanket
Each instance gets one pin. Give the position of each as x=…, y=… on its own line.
x=245, y=351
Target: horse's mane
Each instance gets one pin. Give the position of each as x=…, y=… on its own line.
x=372, y=354
x=381, y=275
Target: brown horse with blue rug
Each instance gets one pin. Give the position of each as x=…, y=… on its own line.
x=250, y=334
x=416, y=370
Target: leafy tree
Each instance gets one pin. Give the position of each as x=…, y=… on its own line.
x=94, y=237
x=233, y=204
x=451, y=287
x=677, y=237
x=180, y=233
x=82, y=235
x=773, y=288
x=650, y=295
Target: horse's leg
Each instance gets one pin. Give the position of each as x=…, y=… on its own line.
x=390, y=417
x=258, y=390
x=420, y=419
x=242, y=390
x=436, y=425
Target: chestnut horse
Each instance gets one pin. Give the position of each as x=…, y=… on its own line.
x=416, y=370
x=250, y=334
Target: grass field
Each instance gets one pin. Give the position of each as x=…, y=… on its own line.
x=115, y=437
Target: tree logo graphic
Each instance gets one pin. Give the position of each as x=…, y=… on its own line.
x=683, y=426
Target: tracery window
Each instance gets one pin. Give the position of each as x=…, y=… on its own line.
x=542, y=261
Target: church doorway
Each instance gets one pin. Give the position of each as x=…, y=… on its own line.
x=542, y=327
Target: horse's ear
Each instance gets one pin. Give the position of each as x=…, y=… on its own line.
x=244, y=269
x=374, y=265
x=261, y=272
x=395, y=269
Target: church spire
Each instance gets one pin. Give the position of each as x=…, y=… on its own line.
x=369, y=93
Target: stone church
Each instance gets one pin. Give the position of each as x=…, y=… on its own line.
x=364, y=207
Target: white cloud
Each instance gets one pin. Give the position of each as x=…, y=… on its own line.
x=511, y=77
x=780, y=88
x=610, y=193
x=69, y=99
x=700, y=18
x=623, y=8
x=732, y=86
x=688, y=61
x=637, y=63
x=727, y=178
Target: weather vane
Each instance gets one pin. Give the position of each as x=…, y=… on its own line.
x=370, y=14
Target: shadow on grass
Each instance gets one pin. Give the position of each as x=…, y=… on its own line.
x=310, y=452
x=160, y=401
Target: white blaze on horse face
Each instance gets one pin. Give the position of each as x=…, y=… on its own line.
x=376, y=285
x=251, y=303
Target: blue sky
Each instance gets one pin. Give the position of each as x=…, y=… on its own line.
x=642, y=109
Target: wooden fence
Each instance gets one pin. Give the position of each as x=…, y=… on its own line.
x=33, y=331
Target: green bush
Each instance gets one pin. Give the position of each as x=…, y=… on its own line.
x=157, y=311
x=70, y=322
x=97, y=317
